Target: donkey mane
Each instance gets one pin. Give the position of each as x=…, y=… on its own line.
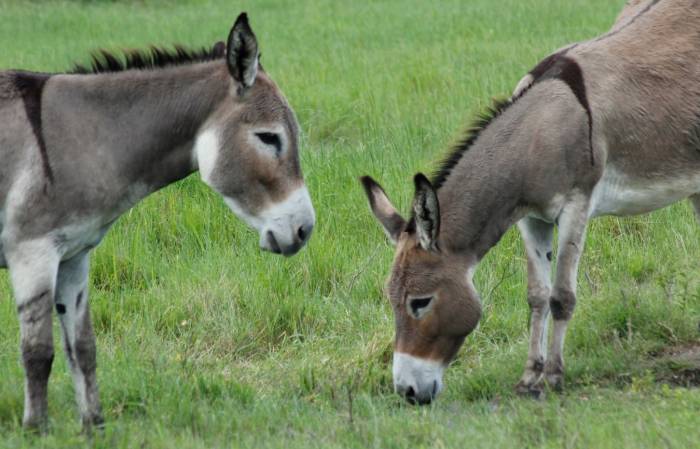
x=479, y=124
x=103, y=61
x=555, y=66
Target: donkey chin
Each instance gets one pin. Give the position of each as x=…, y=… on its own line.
x=284, y=227
x=416, y=379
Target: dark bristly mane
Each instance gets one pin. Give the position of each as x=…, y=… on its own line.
x=152, y=58
x=482, y=120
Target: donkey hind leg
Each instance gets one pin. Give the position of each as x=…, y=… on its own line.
x=572, y=232
x=33, y=266
x=78, y=336
x=537, y=235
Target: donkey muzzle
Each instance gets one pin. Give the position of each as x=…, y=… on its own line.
x=269, y=242
x=417, y=380
x=287, y=225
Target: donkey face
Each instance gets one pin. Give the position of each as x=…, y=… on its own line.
x=249, y=151
x=435, y=306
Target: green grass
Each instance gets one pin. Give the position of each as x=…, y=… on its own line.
x=204, y=341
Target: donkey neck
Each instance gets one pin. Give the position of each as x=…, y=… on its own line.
x=149, y=119
x=483, y=195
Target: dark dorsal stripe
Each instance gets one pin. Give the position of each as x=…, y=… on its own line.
x=563, y=68
x=630, y=22
x=31, y=85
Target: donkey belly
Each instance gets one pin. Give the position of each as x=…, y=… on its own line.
x=620, y=194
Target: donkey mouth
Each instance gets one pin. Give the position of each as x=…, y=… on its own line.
x=274, y=246
x=272, y=241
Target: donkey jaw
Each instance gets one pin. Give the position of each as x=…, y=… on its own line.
x=418, y=380
x=284, y=227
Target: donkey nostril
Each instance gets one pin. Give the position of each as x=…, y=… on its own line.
x=410, y=393
x=304, y=231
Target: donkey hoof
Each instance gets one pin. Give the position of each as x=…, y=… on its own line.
x=555, y=381
x=93, y=423
x=36, y=426
x=534, y=391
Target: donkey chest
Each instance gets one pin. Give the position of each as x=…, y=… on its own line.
x=69, y=239
x=621, y=194
x=76, y=238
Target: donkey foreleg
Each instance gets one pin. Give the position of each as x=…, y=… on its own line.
x=537, y=236
x=78, y=336
x=33, y=265
x=572, y=230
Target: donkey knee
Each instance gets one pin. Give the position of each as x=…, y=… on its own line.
x=86, y=353
x=538, y=300
x=37, y=338
x=37, y=360
x=562, y=304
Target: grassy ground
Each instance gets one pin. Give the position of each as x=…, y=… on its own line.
x=205, y=342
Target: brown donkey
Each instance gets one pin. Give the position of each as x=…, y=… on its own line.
x=80, y=149
x=604, y=127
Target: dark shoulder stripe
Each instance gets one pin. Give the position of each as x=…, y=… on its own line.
x=556, y=66
x=547, y=63
x=31, y=86
x=569, y=71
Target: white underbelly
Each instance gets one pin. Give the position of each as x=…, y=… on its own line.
x=619, y=194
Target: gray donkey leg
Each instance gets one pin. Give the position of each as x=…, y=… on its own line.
x=33, y=265
x=572, y=230
x=78, y=336
x=537, y=236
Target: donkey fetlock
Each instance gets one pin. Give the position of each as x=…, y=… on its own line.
x=554, y=374
x=531, y=382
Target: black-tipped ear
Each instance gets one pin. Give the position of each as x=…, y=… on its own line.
x=392, y=222
x=242, y=52
x=426, y=210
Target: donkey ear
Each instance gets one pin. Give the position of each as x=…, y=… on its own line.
x=242, y=52
x=386, y=213
x=426, y=210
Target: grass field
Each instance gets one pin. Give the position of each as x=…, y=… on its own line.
x=204, y=341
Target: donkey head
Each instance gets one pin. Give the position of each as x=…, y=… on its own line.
x=249, y=150
x=435, y=306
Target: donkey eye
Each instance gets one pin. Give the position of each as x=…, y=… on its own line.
x=271, y=139
x=418, y=305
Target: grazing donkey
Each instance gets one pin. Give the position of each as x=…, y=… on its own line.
x=604, y=127
x=80, y=149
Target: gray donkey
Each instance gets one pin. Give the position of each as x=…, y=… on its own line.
x=79, y=149
x=608, y=126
